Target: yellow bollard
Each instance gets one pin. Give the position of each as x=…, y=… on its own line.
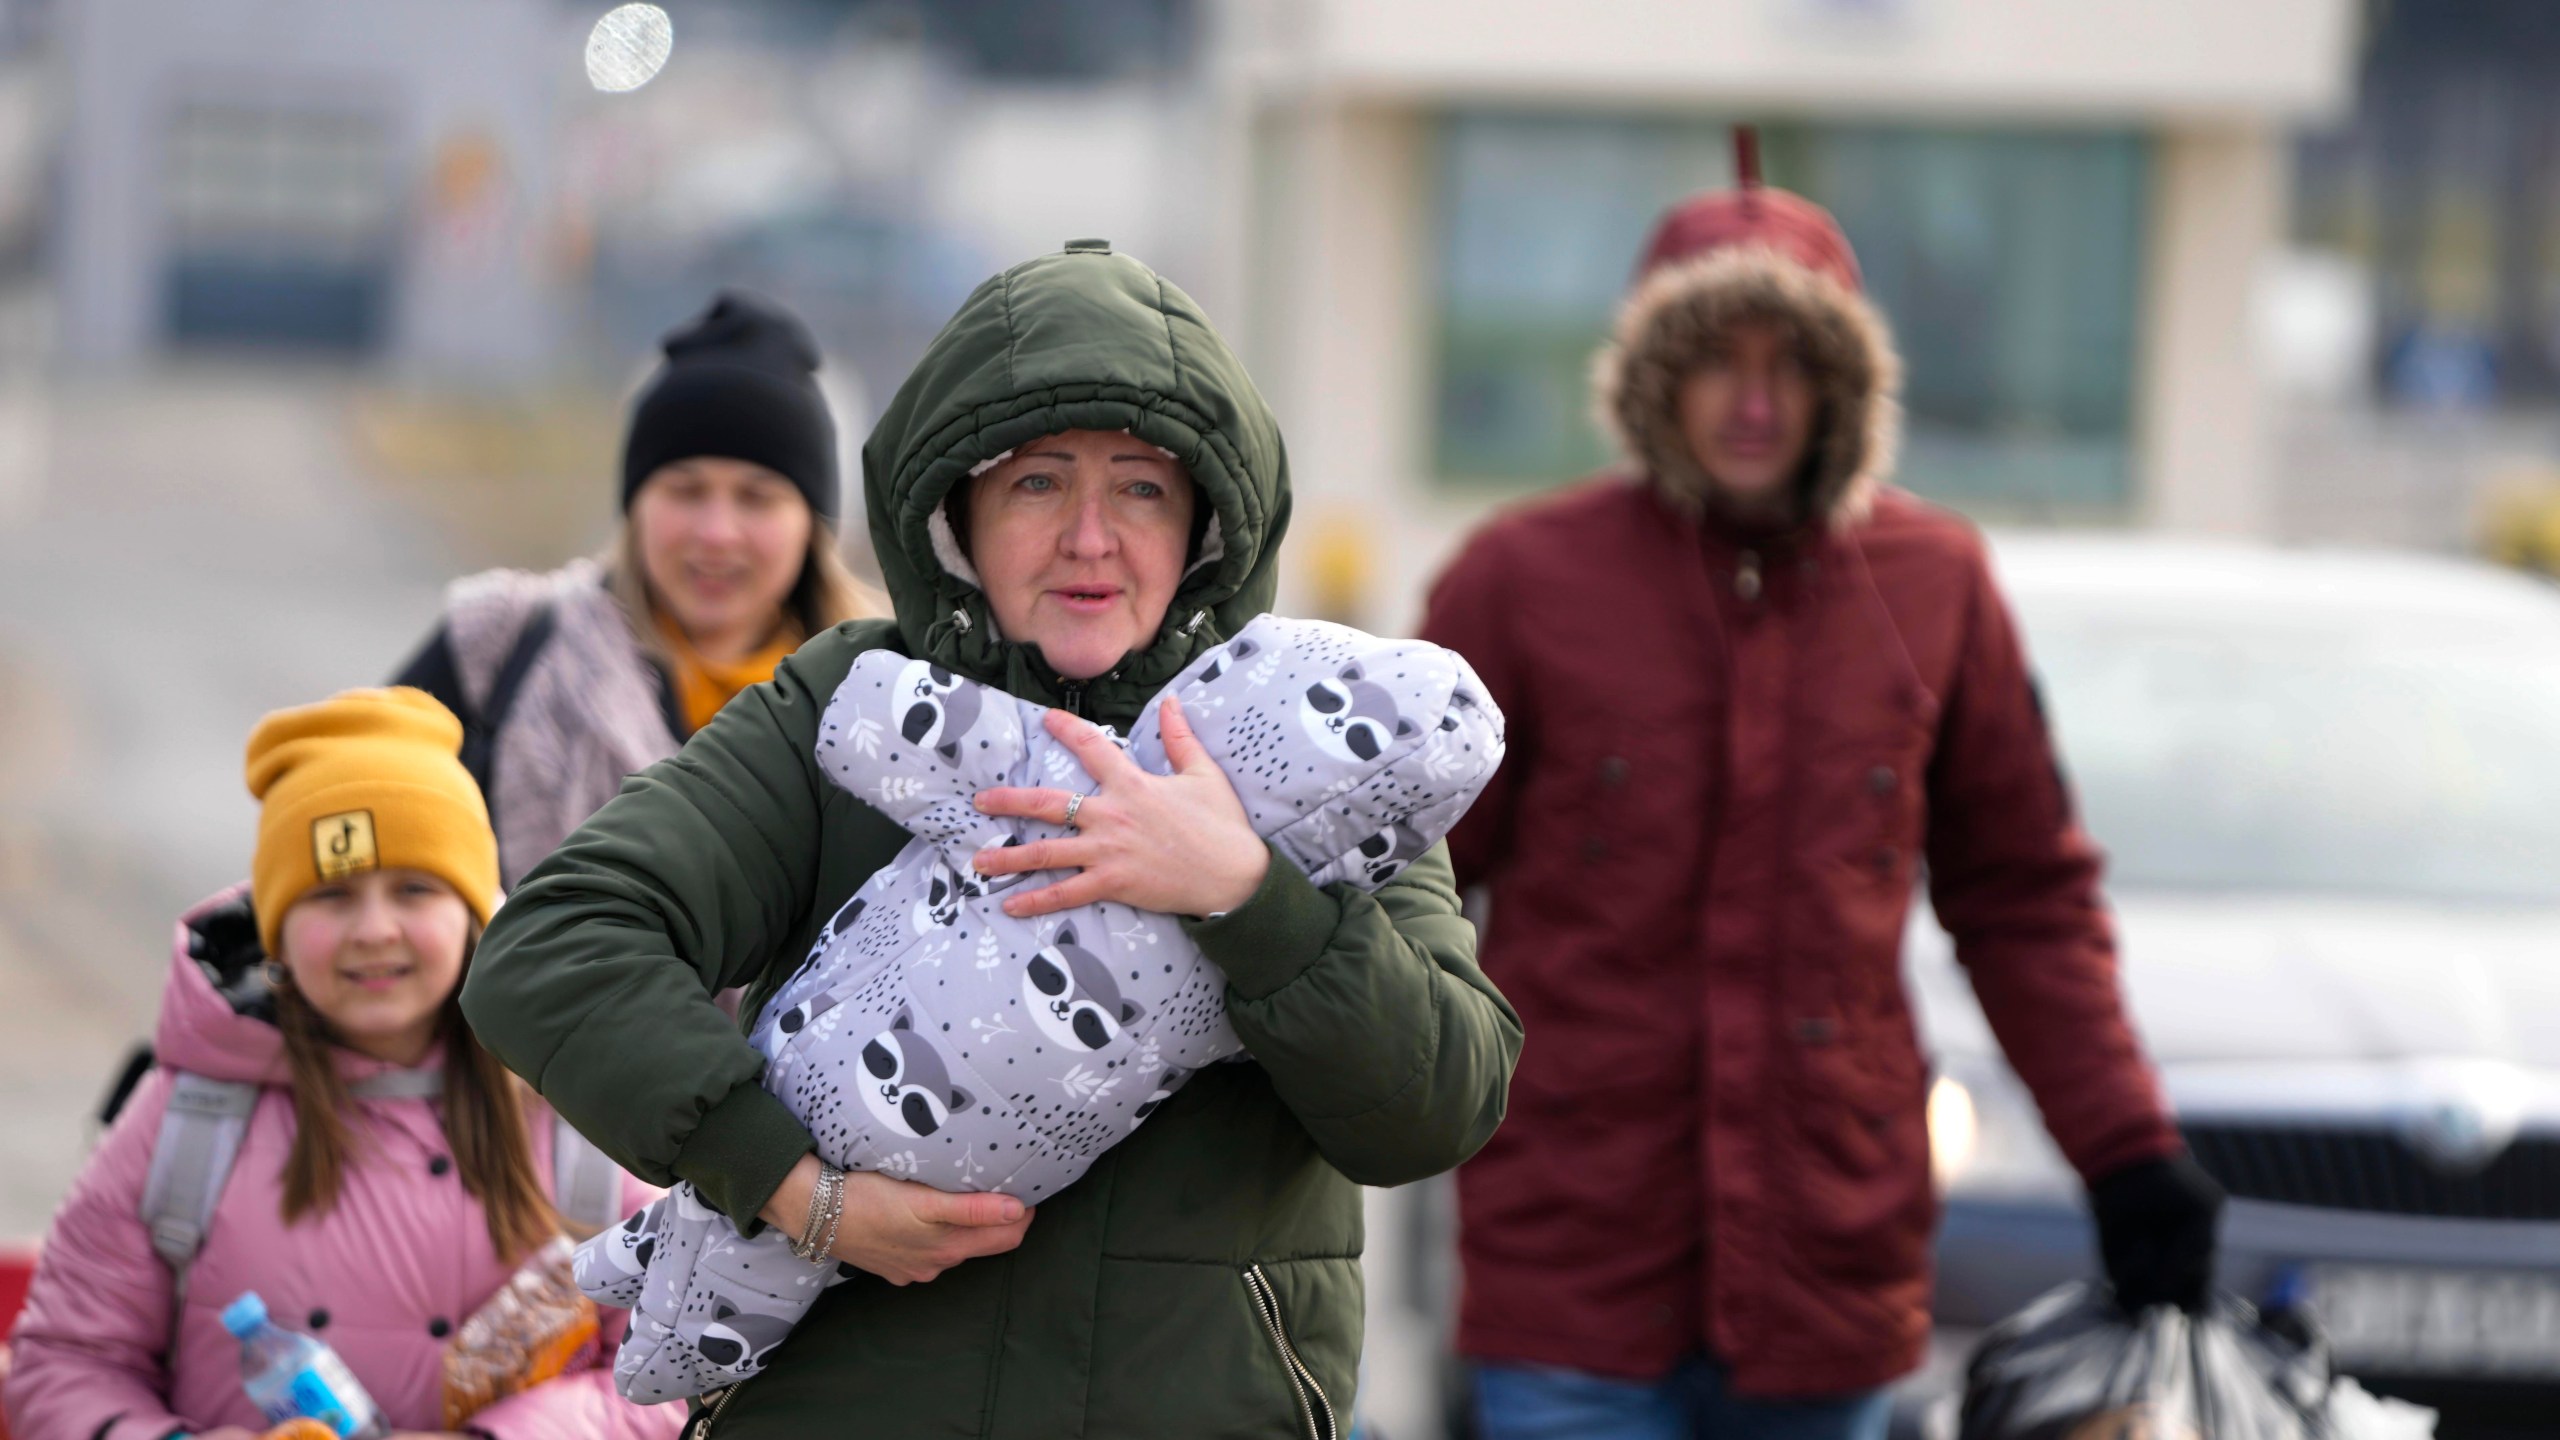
x=1340, y=566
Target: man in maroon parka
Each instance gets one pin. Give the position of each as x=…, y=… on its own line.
x=1754, y=694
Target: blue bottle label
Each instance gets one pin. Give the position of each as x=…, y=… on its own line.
x=313, y=1397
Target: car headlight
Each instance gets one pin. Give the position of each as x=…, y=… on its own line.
x=1985, y=1138
x=1953, y=1130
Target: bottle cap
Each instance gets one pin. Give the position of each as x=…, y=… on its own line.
x=243, y=1316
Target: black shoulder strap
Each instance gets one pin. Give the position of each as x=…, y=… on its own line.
x=137, y=1063
x=480, y=729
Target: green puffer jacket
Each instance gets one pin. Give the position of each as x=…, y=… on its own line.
x=1203, y=1278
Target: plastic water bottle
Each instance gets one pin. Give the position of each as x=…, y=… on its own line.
x=292, y=1376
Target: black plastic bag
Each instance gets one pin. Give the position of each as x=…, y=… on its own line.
x=2072, y=1366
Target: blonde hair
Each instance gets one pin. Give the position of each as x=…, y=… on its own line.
x=826, y=595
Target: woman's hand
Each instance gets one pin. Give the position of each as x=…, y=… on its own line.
x=1179, y=843
x=898, y=1230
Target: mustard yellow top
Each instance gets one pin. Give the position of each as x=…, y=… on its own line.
x=703, y=686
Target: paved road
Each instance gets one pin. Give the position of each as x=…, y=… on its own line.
x=177, y=556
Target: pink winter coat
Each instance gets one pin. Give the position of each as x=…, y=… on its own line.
x=383, y=1278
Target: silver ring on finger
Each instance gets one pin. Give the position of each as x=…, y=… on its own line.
x=1074, y=804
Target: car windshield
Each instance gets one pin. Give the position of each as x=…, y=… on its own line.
x=2339, y=753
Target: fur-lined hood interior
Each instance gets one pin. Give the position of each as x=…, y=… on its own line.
x=1666, y=326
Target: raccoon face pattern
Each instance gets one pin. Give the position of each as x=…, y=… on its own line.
x=907, y=1087
x=934, y=709
x=945, y=890
x=1460, y=700
x=1072, y=996
x=1231, y=655
x=735, y=1341
x=1351, y=719
x=639, y=1238
x=840, y=923
x=1384, y=855
x=1165, y=1087
x=801, y=1016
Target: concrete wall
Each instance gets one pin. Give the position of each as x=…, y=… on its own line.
x=2201, y=445
x=2044, y=58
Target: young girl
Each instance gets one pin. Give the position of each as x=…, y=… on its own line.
x=391, y=1175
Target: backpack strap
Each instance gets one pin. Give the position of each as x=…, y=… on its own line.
x=586, y=1186
x=199, y=1141
x=481, y=728
x=137, y=1063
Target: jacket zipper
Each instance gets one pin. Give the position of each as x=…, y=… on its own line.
x=1313, y=1408
x=700, y=1427
x=1072, y=692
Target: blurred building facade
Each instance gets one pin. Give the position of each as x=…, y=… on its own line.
x=437, y=193
x=2443, y=184
x=2416, y=319
x=365, y=177
x=2063, y=210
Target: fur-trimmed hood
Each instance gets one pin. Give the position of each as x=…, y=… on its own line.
x=1676, y=311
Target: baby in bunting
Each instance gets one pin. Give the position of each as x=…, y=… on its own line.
x=932, y=1037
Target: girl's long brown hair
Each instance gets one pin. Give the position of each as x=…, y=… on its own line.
x=484, y=1121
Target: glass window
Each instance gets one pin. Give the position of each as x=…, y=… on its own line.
x=281, y=225
x=2007, y=261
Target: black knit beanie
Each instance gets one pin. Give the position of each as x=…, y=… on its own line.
x=740, y=382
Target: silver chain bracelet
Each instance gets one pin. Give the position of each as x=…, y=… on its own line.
x=826, y=1210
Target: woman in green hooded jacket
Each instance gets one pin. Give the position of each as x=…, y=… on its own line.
x=1076, y=492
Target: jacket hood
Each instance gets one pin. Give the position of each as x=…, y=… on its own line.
x=217, y=1014
x=217, y=1017
x=1082, y=340
x=1754, y=254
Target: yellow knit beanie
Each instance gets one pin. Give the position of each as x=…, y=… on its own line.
x=365, y=780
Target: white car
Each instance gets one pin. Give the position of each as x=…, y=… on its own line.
x=2328, y=784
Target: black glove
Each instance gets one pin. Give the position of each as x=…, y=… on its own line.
x=2155, y=1232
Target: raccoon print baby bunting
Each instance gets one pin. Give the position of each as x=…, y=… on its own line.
x=929, y=1036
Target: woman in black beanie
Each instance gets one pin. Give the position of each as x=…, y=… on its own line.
x=726, y=561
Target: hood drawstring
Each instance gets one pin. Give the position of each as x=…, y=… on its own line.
x=960, y=619
x=1192, y=625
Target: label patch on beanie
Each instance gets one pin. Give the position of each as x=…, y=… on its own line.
x=342, y=844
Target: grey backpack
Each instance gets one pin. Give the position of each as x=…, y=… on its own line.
x=200, y=1141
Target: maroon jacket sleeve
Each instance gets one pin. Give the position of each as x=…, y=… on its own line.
x=1469, y=612
x=2015, y=881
